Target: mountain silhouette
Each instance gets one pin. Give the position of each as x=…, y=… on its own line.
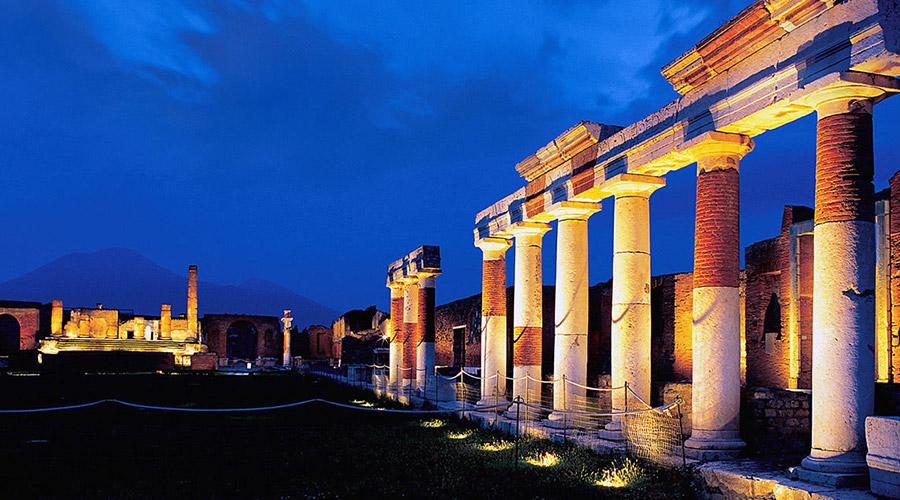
x=124, y=279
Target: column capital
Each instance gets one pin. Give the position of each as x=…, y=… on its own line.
x=719, y=151
x=492, y=247
x=394, y=285
x=579, y=210
x=409, y=280
x=426, y=280
x=633, y=185
x=856, y=92
x=525, y=228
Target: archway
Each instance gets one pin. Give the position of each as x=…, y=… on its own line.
x=9, y=334
x=241, y=340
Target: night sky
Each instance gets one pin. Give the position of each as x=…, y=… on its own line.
x=311, y=143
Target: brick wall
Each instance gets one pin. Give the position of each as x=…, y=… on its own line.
x=29, y=322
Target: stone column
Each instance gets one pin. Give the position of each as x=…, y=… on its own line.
x=165, y=322
x=716, y=393
x=493, y=320
x=56, y=318
x=630, y=330
x=570, y=349
x=425, y=353
x=528, y=317
x=843, y=367
x=139, y=328
x=410, y=326
x=395, y=354
x=192, y=303
x=286, y=320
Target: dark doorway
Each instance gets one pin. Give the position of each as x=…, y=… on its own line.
x=459, y=346
x=9, y=334
x=241, y=340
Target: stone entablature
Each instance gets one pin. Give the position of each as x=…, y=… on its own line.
x=850, y=47
x=753, y=28
x=423, y=260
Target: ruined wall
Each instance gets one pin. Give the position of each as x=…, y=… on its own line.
x=776, y=421
x=268, y=334
x=29, y=324
x=670, y=325
x=767, y=339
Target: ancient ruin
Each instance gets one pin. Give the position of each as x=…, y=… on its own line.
x=774, y=62
x=412, y=355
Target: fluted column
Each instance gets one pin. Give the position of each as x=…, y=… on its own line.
x=493, y=320
x=630, y=329
x=528, y=314
x=716, y=392
x=425, y=354
x=410, y=328
x=843, y=364
x=395, y=353
x=572, y=298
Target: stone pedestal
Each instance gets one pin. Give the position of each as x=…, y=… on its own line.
x=527, y=314
x=571, y=318
x=630, y=330
x=716, y=394
x=843, y=366
x=493, y=320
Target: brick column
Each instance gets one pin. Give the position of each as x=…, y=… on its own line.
x=843, y=294
x=193, y=329
x=493, y=319
x=425, y=353
x=630, y=329
x=894, y=276
x=410, y=327
x=286, y=320
x=570, y=339
x=165, y=322
x=527, y=313
x=395, y=353
x=716, y=393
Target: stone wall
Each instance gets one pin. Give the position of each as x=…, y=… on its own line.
x=269, y=341
x=776, y=421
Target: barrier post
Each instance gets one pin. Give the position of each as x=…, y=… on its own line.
x=518, y=402
x=681, y=431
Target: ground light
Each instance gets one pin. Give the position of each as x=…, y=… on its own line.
x=432, y=424
x=545, y=459
x=459, y=435
x=620, y=476
x=498, y=445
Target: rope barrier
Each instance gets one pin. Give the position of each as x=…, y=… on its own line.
x=236, y=410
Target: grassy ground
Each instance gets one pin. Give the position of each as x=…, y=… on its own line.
x=306, y=452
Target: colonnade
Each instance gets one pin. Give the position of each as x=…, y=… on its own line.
x=411, y=354
x=843, y=311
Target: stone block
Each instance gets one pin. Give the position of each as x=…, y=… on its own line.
x=883, y=458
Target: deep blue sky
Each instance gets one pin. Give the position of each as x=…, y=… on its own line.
x=311, y=143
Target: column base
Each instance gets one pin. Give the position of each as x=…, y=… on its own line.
x=499, y=405
x=612, y=431
x=838, y=471
x=559, y=420
x=712, y=450
x=521, y=412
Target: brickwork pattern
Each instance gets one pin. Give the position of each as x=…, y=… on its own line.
x=397, y=319
x=717, y=235
x=776, y=421
x=29, y=321
x=844, y=168
x=527, y=345
x=493, y=285
x=409, y=348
